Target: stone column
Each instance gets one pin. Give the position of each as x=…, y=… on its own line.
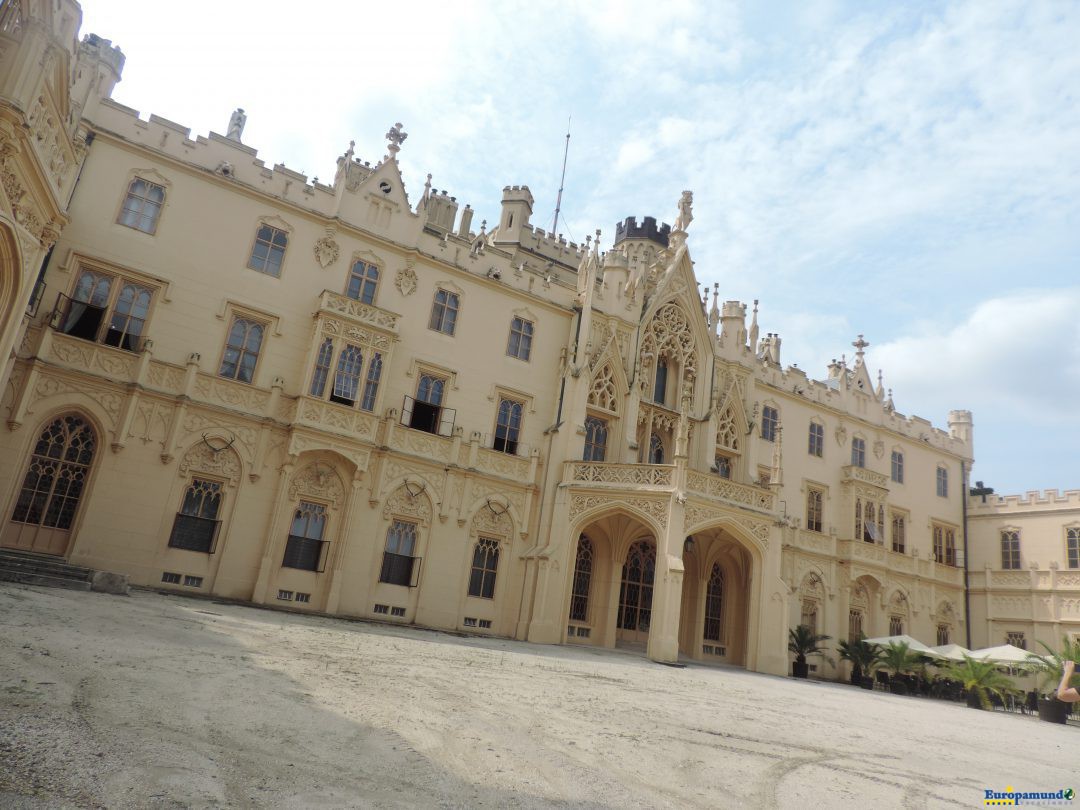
x=267, y=565
x=356, y=496
x=667, y=584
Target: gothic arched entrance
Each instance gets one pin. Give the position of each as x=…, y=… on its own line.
x=635, y=592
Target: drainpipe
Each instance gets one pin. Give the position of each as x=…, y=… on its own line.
x=967, y=593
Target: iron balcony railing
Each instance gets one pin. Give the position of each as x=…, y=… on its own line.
x=87, y=321
x=420, y=415
x=193, y=533
x=400, y=569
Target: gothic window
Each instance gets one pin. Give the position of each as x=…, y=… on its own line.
x=142, y=205
x=579, y=594
x=816, y=445
x=943, y=633
x=1016, y=638
x=714, y=605
x=636, y=588
x=656, y=450
x=371, y=385
x=770, y=421
x=855, y=622
x=898, y=466
x=268, y=252
x=444, y=312
x=603, y=393
x=322, y=368
x=347, y=376
x=242, y=349
x=56, y=475
x=858, y=452
x=363, y=281
x=722, y=466
x=942, y=482
x=660, y=381
x=727, y=434
x=195, y=527
x=899, y=531
x=1010, y=550
x=105, y=308
x=427, y=409
x=814, y=509
x=896, y=625
x=520, y=342
x=596, y=435
x=944, y=545
x=484, y=568
x=508, y=426
x=1072, y=547
x=808, y=615
x=858, y=518
x=305, y=548
x=398, y=559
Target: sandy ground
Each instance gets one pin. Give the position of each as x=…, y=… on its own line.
x=160, y=701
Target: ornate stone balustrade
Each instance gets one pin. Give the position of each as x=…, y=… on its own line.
x=503, y=464
x=815, y=541
x=713, y=486
x=619, y=475
x=865, y=476
x=419, y=443
x=118, y=365
x=358, y=311
x=324, y=415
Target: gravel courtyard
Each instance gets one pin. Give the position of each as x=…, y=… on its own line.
x=161, y=701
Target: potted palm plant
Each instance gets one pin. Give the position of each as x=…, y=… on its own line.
x=898, y=659
x=1051, y=665
x=980, y=680
x=863, y=657
x=803, y=642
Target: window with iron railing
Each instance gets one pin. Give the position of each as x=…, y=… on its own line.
x=425, y=411
x=399, y=566
x=305, y=548
x=105, y=309
x=195, y=527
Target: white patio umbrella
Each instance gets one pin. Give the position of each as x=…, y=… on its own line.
x=913, y=645
x=952, y=652
x=1004, y=654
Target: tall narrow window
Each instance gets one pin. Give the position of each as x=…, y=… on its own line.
x=1072, y=547
x=398, y=560
x=858, y=518
x=484, y=568
x=508, y=426
x=817, y=440
x=55, y=478
x=579, y=593
x=660, y=382
x=322, y=368
x=714, y=605
x=142, y=205
x=347, y=376
x=898, y=466
x=363, y=281
x=521, y=335
x=899, y=532
x=427, y=408
x=444, y=312
x=854, y=625
x=129, y=316
x=268, y=252
x=880, y=538
x=896, y=625
x=595, y=439
x=939, y=544
x=943, y=633
x=858, y=452
x=196, y=524
x=656, y=450
x=722, y=466
x=942, y=482
x=242, y=350
x=1010, y=550
x=808, y=615
x=770, y=420
x=371, y=385
x=950, y=547
x=304, y=548
x=814, y=499
x=1016, y=639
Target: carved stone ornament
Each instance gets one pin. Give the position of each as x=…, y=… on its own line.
x=326, y=251
x=492, y=521
x=318, y=480
x=206, y=457
x=405, y=281
x=409, y=500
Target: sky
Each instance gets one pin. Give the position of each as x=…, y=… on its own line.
x=907, y=171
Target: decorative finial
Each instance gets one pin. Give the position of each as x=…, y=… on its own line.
x=860, y=347
x=397, y=137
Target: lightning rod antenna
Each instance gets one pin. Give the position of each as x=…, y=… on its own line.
x=562, y=179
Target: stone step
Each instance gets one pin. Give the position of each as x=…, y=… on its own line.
x=47, y=566
x=28, y=578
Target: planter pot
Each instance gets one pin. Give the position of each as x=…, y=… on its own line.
x=800, y=670
x=1053, y=710
x=866, y=683
x=898, y=687
x=973, y=701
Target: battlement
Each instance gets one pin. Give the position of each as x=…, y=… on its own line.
x=518, y=194
x=1049, y=500
x=104, y=51
x=629, y=229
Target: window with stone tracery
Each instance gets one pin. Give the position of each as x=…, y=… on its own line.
x=727, y=434
x=669, y=339
x=714, y=605
x=603, y=393
x=579, y=595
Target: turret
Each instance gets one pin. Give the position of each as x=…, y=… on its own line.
x=97, y=71
x=440, y=211
x=733, y=324
x=629, y=229
x=961, y=428
x=517, y=206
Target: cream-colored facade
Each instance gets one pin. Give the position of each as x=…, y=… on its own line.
x=333, y=397
x=1025, y=568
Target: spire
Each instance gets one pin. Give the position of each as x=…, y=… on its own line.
x=776, y=476
x=889, y=403
x=880, y=390
x=714, y=313
x=754, y=331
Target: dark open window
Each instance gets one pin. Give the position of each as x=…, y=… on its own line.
x=426, y=412
x=306, y=548
x=508, y=426
x=195, y=527
x=399, y=566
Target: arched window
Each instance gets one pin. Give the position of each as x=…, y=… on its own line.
x=714, y=605
x=636, y=588
x=508, y=426
x=858, y=518
x=660, y=383
x=595, y=439
x=656, y=450
x=322, y=368
x=484, y=568
x=268, y=251
x=52, y=486
x=579, y=593
x=363, y=281
x=195, y=527
x=816, y=446
x=347, y=376
x=142, y=205
x=371, y=387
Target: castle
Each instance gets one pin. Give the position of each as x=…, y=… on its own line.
x=226, y=378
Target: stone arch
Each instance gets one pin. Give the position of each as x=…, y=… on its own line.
x=409, y=500
x=590, y=510
x=212, y=454
x=493, y=513
x=11, y=274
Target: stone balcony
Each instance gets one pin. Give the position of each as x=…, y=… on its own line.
x=334, y=303
x=724, y=489
x=879, y=556
x=851, y=473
